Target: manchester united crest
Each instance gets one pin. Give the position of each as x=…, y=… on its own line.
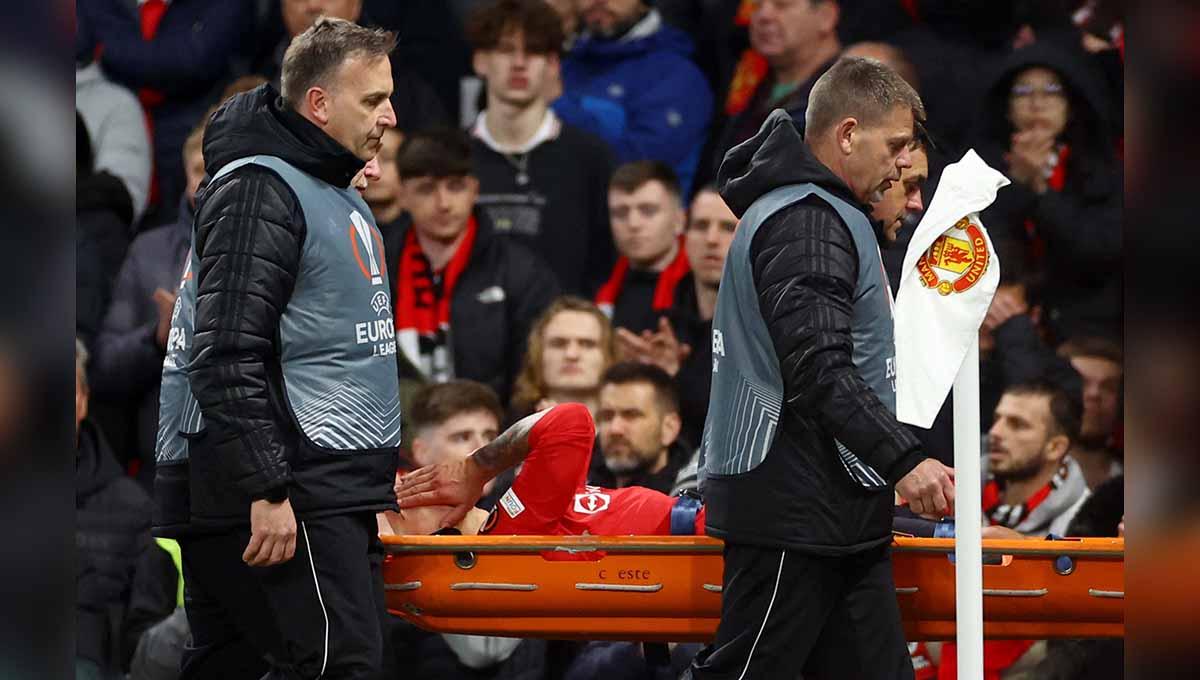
x=957, y=259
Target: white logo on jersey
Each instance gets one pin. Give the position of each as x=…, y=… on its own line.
x=592, y=502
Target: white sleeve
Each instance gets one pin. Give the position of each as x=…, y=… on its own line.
x=478, y=651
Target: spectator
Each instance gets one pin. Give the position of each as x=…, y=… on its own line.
x=570, y=347
x=175, y=55
x=683, y=346
x=644, y=206
x=540, y=181
x=112, y=535
x=794, y=42
x=1043, y=123
x=416, y=105
x=628, y=79
x=116, y=126
x=638, y=425
x=465, y=299
x=102, y=216
x=1099, y=363
x=133, y=337
x=383, y=194
x=1033, y=487
x=891, y=56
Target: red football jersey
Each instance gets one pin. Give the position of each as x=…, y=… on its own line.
x=550, y=495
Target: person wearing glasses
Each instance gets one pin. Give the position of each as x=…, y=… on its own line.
x=1044, y=123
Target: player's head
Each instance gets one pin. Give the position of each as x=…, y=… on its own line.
x=638, y=419
x=450, y=420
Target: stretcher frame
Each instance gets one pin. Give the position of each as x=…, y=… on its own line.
x=668, y=588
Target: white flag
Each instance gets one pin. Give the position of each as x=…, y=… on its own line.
x=950, y=275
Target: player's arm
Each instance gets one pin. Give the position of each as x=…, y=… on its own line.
x=460, y=483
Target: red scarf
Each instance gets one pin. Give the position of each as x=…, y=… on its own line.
x=751, y=67
x=422, y=306
x=1056, y=182
x=664, y=290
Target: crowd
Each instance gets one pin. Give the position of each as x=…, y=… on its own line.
x=553, y=233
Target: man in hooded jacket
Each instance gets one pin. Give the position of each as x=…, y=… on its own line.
x=1044, y=122
x=801, y=450
x=279, y=417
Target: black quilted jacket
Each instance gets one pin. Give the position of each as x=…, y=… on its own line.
x=250, y=232
x=805, y=268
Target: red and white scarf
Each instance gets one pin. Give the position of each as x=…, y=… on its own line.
x=423, y=304
x=664, y=290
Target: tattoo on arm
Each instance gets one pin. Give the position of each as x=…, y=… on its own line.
x=508, y=449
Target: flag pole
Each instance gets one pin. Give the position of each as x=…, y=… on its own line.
x=968, y=550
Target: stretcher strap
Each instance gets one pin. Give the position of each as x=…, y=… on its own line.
x=683, y=515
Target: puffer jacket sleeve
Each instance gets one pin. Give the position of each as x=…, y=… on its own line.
x=805, y=268
x=250, y=230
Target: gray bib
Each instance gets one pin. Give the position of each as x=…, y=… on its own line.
x=336, y=335
x=747, y=392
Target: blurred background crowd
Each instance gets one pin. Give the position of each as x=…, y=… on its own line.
x=553, y=232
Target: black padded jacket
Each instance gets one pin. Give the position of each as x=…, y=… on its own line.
x=249, y=236
x=805, y=269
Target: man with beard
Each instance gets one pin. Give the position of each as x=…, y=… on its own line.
x=638, y=422
x=1033, y=487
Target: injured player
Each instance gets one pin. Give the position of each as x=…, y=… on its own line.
x=550, y=496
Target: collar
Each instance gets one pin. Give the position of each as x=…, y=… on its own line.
x=645, y=27
x=547, y=131
x=88, y=74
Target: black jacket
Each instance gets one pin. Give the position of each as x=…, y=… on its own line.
x=489, y=328
x=250, y=233
x=805, y=269
x=694, y=379
x=112, y=540
x=1082, y=224
x=561, y=214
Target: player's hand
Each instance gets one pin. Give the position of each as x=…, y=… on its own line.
x=457, y=483
x=272, y=534
x=929, y=489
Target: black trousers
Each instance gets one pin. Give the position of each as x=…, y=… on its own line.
x=318, y=615
x=788, y=615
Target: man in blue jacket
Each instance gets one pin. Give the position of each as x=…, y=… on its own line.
x=630, y=80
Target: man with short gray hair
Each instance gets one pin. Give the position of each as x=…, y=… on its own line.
x=801, y=450
x=279, y=414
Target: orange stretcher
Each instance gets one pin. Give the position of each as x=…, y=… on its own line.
x=668, y=588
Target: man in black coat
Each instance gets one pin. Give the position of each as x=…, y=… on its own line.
x=802, y=449
x=279, y=418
